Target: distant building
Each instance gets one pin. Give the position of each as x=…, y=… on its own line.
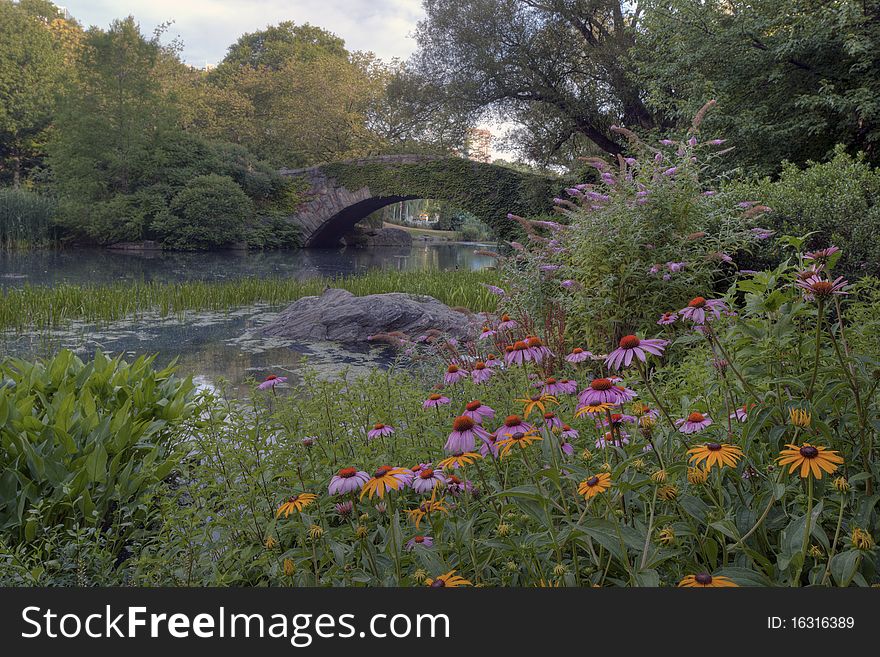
x=478, y=145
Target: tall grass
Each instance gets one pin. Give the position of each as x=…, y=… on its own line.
x=25, y=219
x=48, y=307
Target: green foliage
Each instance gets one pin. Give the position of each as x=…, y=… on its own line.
x=837, y=202
x=792, y=78
x=37, y=306
x=25, y=219
x=85, y=444
x=644, y=241
x=210, y=212
x=30, y=68
x=487, y=191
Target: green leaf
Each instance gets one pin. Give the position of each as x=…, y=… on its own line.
x=844, y=566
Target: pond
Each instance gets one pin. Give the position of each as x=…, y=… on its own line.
x=215, y=347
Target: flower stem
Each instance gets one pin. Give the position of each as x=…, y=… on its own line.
x=820, y=317
x=807, y=522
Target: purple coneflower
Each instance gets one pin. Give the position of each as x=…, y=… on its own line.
x=632, y=347
x=478, y=411
x=344, y=509
x=512, y=424
x=700, y=310
x=487, y=333
x=489, y=446
x=821, y=255
x=518, y=353
x=434, y=400
x=817, y=287
x=618, y=419
x=566, y=447
x=693, y=423
x=667, y=318
x=465, y=431
x=347, y=480
x=380, y=429
x=555, y=387
x=741, y=414
x=419, y=541
x=602, y=391
x=507, y=324
x=612, y=439
x=551, y=421
x=457, y=486
x=569, y=433
x=427, y=479
x=454, y=374
x=271, y=381
x=538, y=349
x=481, y=372
x=578, y=355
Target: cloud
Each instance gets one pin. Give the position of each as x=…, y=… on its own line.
x=208, y=27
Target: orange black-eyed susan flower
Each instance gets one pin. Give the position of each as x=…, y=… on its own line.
x=450, y=581
x=812, y=460
x=705, y=580
x=295, y=503
x=458, y=460
x=519, y=439
x=539, y=402
x=594, y=485
x=386, y=478
x=720, y=454
x=425, y=508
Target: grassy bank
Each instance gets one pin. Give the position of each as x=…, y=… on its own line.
x=40, y=306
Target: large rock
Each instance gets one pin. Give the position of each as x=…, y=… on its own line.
x=373, y=237
x=340, y=316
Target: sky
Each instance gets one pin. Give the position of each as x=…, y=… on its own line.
x=208, y=27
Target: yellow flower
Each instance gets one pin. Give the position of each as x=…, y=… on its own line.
x=667, y=493
x=271, y=543
x=639, y=408
x=450, y=580
x=458, y=460
x=799, y=417
x=560, y=569
x=522, y=440
x=289, y=567
x=295, y=503
x=841, y=484
x=426, y=508
x=384, y=479
x=647, y=422
x=536, y=402
x=705, y=580
x=638, y=464
x=315, y=532
x=586, y=455
x=666, y=536
x=592, y=409
x=719, y=454
x=862, y=540
x=503, y=529
x=596, y=484
x=816, y=552
x=658, y=476
x=363, y=517
x=420, y=575
x=697, y=476
x=810, y=459
x=544, y=584
x=360, y=531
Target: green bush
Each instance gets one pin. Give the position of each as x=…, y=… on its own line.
x=122, y=218
x=210, y=212
x=25, y=218
x=838, y=201
x=83, y=445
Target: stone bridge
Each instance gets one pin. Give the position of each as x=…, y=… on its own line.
x=340, y=194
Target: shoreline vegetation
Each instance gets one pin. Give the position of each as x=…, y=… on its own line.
x=52, y=306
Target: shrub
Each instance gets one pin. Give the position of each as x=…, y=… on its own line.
x=85, y=444
x=210, y=212
x=25, y=218
x=122, y=218
x=837, y=201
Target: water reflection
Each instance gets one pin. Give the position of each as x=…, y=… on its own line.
x=102, y=266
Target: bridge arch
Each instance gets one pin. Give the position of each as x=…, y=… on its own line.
x=340, y=194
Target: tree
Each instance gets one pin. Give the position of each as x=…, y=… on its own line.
x=30, y=69
x=791, y=78
x=560, y=68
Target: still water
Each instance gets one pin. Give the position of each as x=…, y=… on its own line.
x=214, y=348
